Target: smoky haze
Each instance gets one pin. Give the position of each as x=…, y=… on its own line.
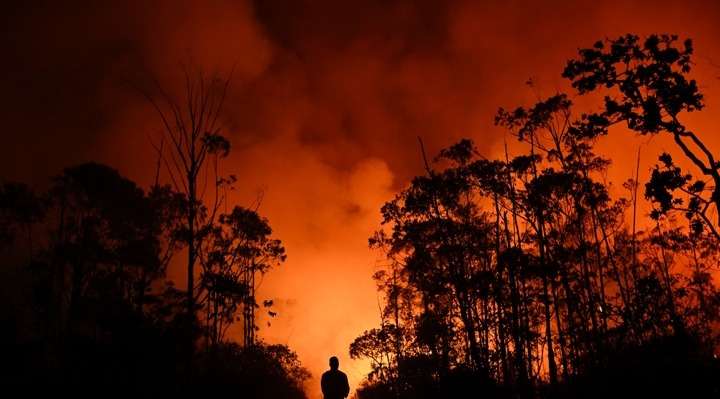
x=326, y=104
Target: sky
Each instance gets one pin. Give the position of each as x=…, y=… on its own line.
x=327, y=101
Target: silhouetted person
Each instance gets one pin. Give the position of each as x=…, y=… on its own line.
x=334, y=383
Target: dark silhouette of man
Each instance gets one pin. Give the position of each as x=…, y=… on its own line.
x=334, y=383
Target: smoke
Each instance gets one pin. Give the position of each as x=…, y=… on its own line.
x=326, y=105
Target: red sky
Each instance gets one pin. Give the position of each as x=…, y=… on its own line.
x=327, y=101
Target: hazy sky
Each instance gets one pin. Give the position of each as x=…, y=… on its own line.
x=327, y=101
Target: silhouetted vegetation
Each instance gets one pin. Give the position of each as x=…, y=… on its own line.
x=88, y=308
x=192, y=129
x=521, y=277
x=87, y=305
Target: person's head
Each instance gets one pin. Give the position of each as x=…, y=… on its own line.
x=334, y=363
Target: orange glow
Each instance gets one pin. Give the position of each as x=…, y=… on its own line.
x=325, y=108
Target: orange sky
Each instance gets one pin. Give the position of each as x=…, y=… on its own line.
x=326, y=104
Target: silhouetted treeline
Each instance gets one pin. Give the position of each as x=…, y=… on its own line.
x=524, y=277
x=87, y=307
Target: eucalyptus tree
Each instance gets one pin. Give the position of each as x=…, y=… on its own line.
x=572, y=220
x=524, y=267
x=680, y=295
x=192, y=128
x=513, y=284
x=452, y=278
x=100, y=313
x=509, y=252
x=102, y=247
x=406, y=347
x=439, y=237
x=649, y=90
x=239, y=248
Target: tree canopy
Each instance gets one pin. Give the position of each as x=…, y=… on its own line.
x=521, y=277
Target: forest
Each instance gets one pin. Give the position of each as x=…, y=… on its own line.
x=524, y=277
x=88, y=308
x=520, y=277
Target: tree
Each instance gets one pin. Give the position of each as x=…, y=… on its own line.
x=524, y=268
x=91, y=310
x=239, y=247
x=103, y=252
x=192, y=128
x=650, y=90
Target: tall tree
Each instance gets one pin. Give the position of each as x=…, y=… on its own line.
x=526, y=266
x=103, y=248
x=239, y=248
x=649, y=91
x=192, y=128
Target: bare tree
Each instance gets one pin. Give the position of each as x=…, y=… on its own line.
x=191, y=127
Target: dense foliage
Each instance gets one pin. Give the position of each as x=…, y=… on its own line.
x=521, y=277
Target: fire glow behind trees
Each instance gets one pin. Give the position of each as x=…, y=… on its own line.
x=324, y=110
